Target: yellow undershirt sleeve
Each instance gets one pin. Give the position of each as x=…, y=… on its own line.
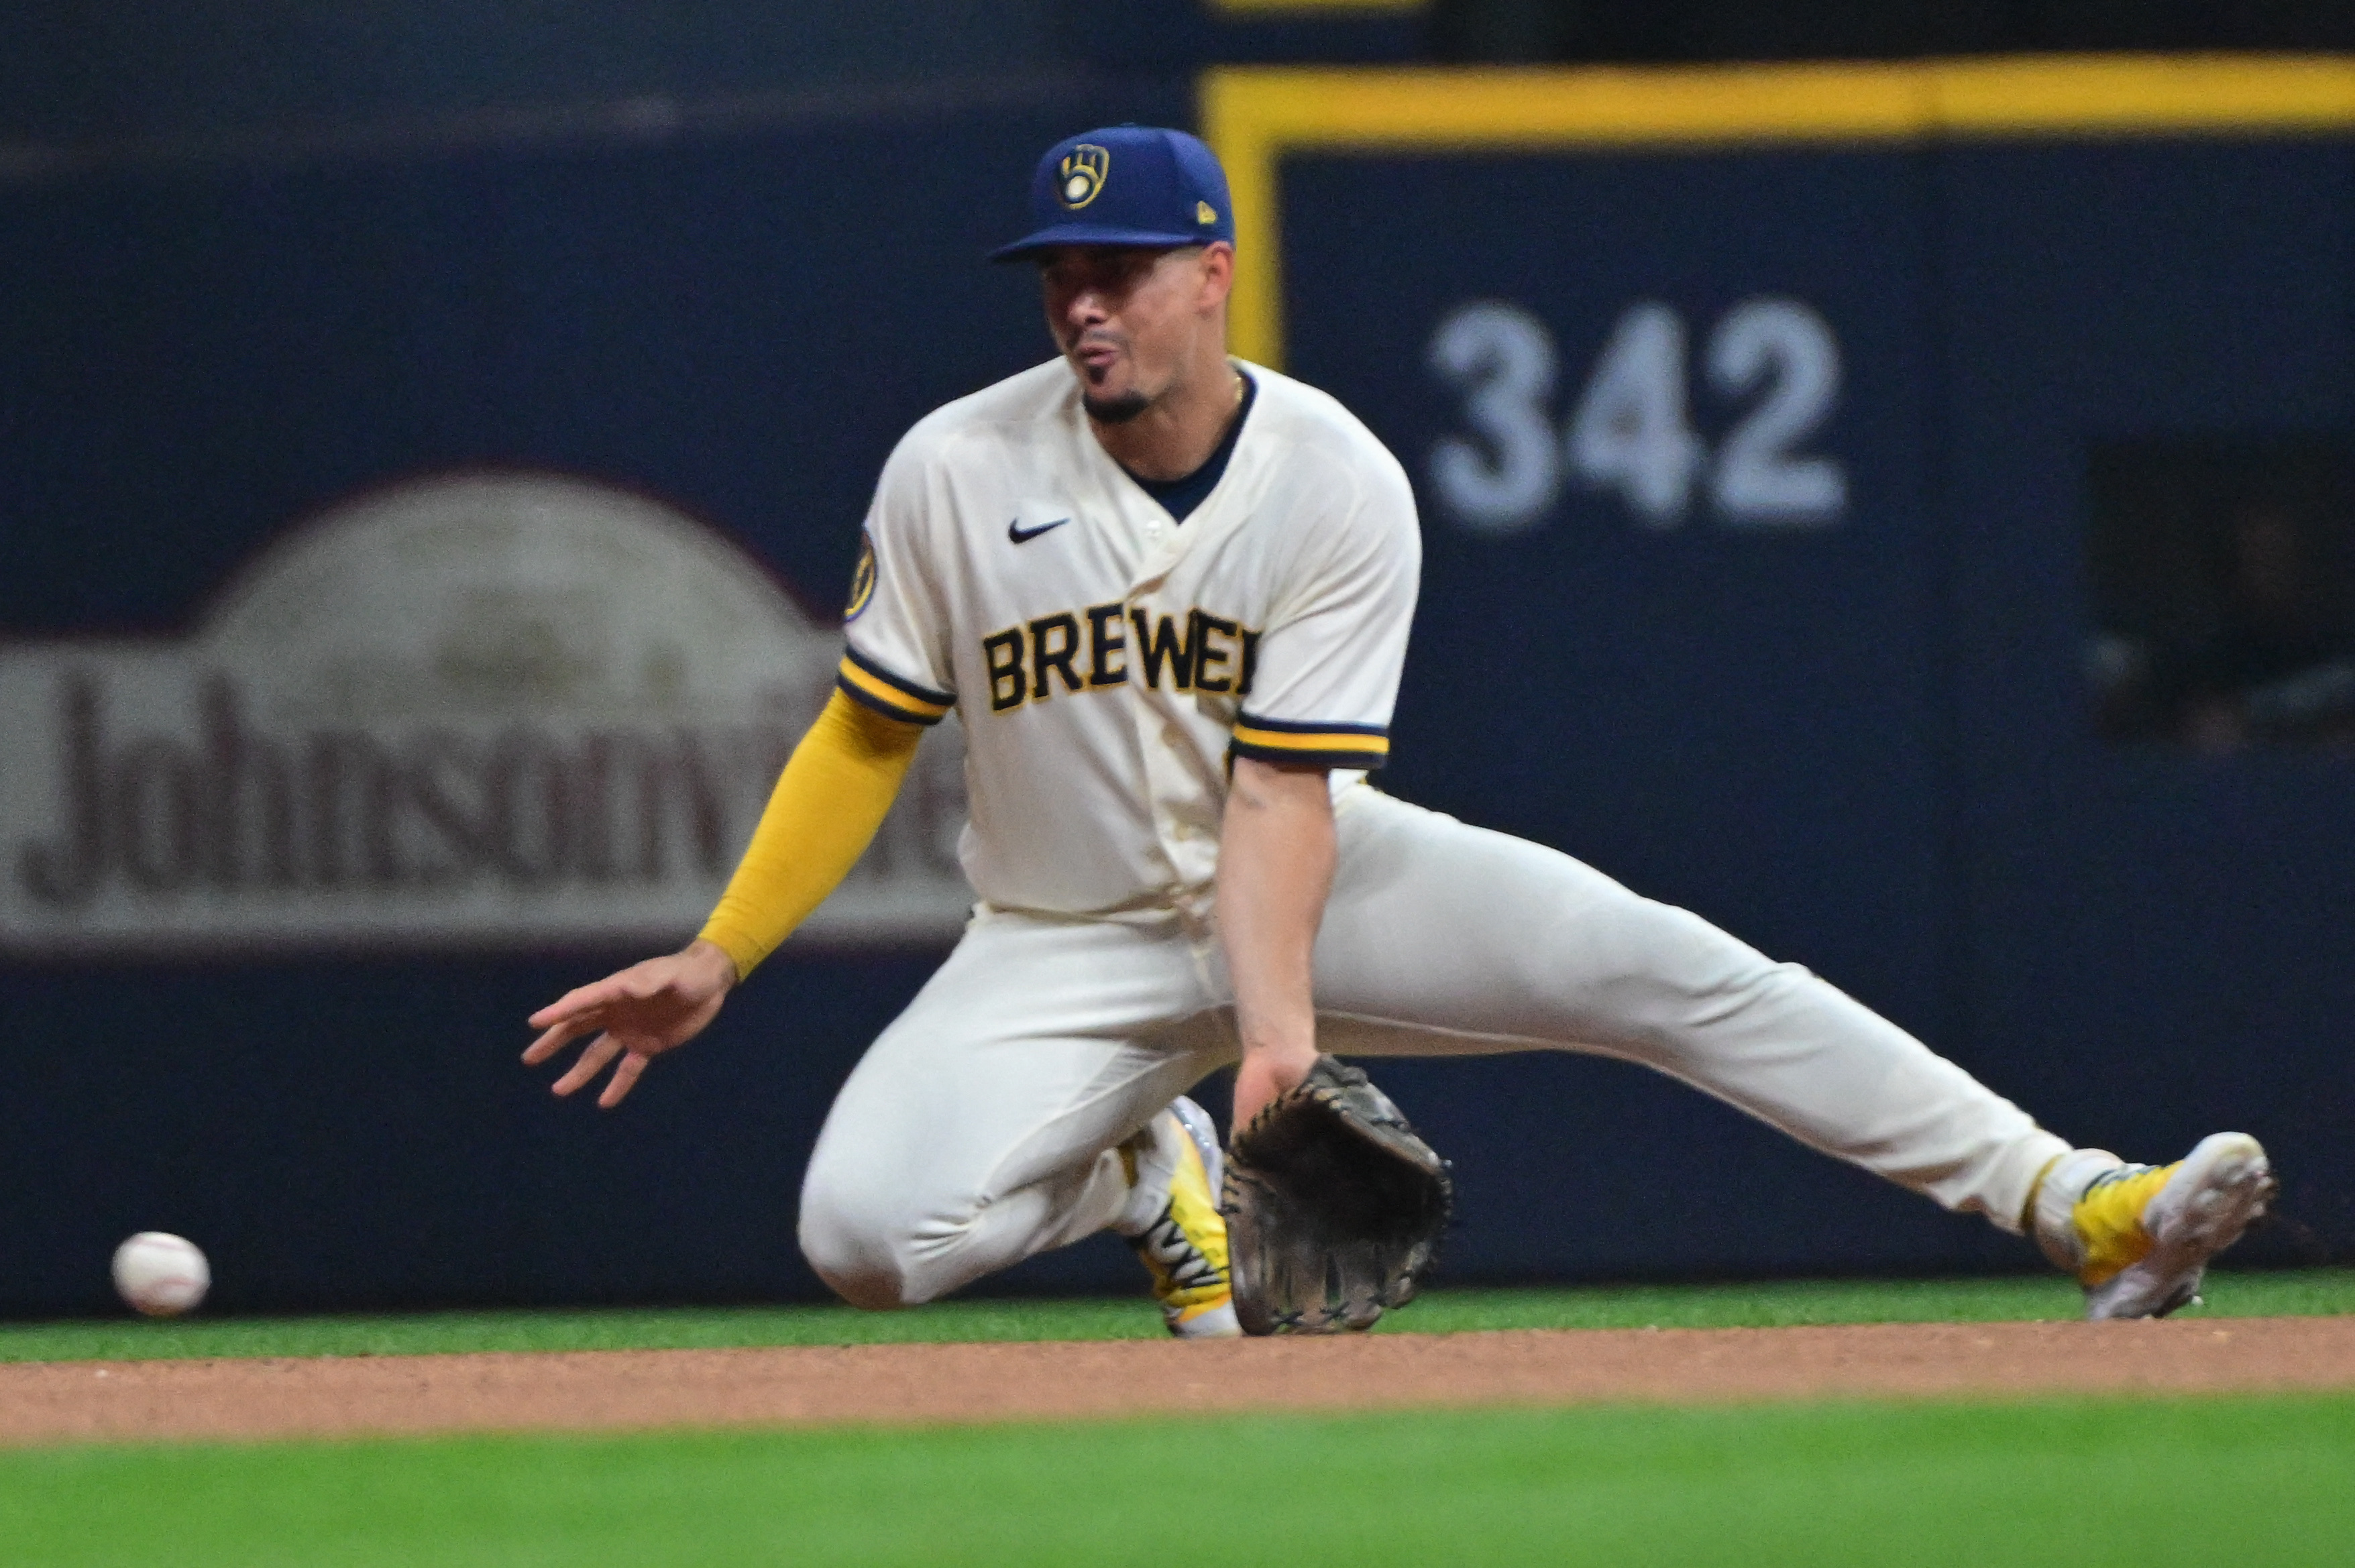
x=828, y=802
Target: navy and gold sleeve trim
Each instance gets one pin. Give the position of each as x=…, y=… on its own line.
x=1318, y=745
x=865, y=681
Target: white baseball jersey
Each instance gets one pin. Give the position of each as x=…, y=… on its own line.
x=1104, y=660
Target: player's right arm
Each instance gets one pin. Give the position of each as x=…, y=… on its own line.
x=828, y=805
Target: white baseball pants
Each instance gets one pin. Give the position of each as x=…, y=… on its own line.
x=981, y=1128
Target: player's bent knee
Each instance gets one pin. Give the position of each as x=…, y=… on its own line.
x=851, y=1247
x=883, y=1269
x=880, y=1261
x=870, y=1291
x=860, y=1272
x=878, y=1255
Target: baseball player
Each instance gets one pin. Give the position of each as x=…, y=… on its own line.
x=1166, y=593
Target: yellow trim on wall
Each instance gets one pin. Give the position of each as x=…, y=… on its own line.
x=1253, y=115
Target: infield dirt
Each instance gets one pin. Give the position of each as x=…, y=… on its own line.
x=605, y=1390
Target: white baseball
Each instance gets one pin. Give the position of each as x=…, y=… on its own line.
x=162, y=1275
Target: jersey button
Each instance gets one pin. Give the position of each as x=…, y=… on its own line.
x=1171, y=735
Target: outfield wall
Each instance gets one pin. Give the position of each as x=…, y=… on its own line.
x=1751, y=416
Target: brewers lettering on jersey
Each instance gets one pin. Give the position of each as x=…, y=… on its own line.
x=1166, y=595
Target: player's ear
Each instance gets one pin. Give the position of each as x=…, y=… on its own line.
x=1218, y=272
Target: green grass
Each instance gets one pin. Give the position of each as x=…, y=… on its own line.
x=2304, y=1292
x=1781, y=1304
x=651, y=1329
x=2150, y=1484
x=2084, y=1483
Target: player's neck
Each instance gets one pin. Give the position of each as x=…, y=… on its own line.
x=1177, y=435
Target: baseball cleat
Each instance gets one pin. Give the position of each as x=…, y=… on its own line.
x=2138, y=1237
x=1184, y=1244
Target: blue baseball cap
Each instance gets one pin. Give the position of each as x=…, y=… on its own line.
x=1126, y=185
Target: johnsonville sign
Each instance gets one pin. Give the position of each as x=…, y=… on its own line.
x=471, y=711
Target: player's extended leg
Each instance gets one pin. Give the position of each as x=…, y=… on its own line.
x=1442, y=937
x=984, y=1126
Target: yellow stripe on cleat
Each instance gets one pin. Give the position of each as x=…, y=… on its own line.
x=2109, y=1221
x=1185, y=1248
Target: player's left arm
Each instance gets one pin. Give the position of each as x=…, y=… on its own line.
x=1327, y=679
x=1276, y=869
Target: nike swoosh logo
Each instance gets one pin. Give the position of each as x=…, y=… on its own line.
x=1020, y=535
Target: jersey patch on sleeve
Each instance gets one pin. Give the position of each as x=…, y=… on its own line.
x=1320, y=745
x=862, y=580
x=865, y=681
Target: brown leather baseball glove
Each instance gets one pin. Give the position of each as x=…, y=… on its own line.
x=1334, y=1207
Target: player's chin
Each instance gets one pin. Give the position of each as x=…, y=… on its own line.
x=1113, y=409
x=1110, y=393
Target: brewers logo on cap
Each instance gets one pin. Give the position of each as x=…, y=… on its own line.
x=1083, y=175
x=1170, y=193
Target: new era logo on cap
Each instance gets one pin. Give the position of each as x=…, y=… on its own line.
x=1126, y=185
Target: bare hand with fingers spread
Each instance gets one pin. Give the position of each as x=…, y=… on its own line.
x=641, y=1011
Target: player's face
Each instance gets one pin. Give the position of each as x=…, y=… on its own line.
x=1131, y=322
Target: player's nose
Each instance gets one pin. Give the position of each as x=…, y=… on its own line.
x=1087, y=307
